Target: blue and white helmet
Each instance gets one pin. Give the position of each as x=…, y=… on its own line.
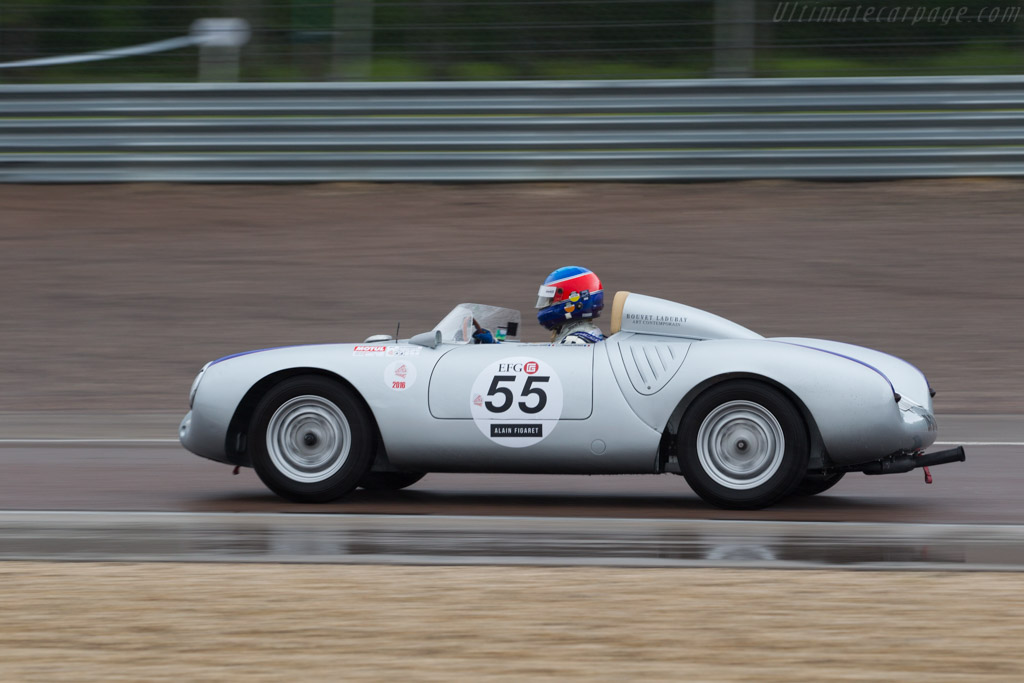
x=569, y=293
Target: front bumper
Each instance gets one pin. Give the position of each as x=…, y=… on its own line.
x=204, y=439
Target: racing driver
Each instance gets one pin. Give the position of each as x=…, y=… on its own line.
x=568, y=301
x=570, y=298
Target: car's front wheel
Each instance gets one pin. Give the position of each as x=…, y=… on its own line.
x=742, y=445
x=311, y=440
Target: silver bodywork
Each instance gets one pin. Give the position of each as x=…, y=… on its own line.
x=606, y=407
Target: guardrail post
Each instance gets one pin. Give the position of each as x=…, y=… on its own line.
x=353, y=40
x=220, y=44
x=735, y=28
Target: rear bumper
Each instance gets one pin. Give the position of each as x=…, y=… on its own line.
x=919, y=426
x=905, y=462
x=890, y=428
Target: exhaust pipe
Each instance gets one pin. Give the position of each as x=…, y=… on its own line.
x=904, y=462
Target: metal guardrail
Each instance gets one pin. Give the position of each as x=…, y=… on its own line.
x=514, y=131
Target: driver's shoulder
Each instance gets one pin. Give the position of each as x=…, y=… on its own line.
x=585, y=333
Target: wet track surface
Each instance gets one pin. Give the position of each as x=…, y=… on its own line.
x=505, y=540
x=984, y=490
x=972, y=517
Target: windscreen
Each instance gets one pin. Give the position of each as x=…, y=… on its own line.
x=502, y=322
x=458, y=326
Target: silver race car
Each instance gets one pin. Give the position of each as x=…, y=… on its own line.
x=745, y=419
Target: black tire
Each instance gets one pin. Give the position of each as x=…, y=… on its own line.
x=389, y=481
x=311, y=440
x=743, y=445
x=814, y=483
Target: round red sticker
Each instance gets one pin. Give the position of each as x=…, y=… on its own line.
x=530, y=368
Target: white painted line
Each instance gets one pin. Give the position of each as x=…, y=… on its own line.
x=84, y=441
x=979, y=443
x=73, y=441
x=758, y=527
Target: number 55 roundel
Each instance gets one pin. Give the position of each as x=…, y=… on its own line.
x=516, y=401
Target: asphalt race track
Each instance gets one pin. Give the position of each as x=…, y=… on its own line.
x=985, y=490
x=152, y=500
x=116, y=295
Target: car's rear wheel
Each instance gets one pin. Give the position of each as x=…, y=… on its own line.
x=814, y=483
x=311, y=439
x=742, y=445
x=389, y=481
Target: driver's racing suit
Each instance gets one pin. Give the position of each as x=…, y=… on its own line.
x=578, y=332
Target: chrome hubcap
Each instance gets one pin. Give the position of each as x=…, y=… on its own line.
x=308, y=439
x=740, y=445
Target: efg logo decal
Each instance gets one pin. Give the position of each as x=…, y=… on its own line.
x=530, y=367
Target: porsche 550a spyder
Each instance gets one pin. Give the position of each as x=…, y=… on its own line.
x=745, y=419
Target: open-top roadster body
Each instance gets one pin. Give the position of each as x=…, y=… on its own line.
x=745, y=419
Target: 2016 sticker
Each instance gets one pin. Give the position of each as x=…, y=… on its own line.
x=516, y=402
x=400, y=375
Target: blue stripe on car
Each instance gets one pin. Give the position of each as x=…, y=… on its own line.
x=855, y=360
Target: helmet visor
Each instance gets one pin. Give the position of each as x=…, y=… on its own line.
x=546, y=296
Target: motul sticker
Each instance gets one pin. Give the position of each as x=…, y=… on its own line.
x=362, y=350
x=516, y=401
x=399, y=375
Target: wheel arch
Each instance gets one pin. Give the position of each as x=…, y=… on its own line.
x=238, y=427
x=668, y=447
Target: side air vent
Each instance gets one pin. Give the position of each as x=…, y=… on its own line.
x=650, y=365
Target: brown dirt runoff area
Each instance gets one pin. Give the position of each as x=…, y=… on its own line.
x=112, y=296
x=190, y=622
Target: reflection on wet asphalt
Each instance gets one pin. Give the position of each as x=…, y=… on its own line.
x=504, y=540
